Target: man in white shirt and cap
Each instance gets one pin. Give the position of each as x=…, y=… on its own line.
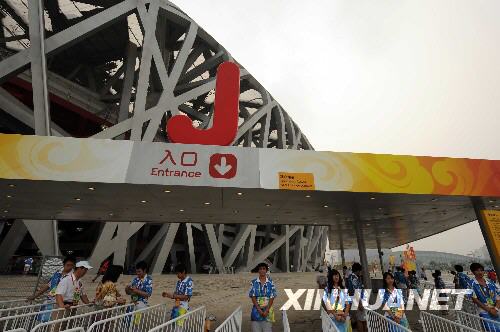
x=70, y=289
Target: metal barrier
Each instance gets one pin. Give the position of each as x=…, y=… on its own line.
x=431, y=323
x=72, y=319
x=476, y=322
x=22, y=310
x=326, y=322
x=193, y=321
x=30, y=320
x=380, y=323
x=11, y=303
x=286, y=324
x=133, y=320
x=232, y=323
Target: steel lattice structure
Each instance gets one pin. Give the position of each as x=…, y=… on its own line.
x=120, y=70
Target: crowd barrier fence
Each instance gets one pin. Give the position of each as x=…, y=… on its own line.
x=71, y=318
x=232, y=323
x=140, y=320
x=193, y=321
x=431, y=323
x=286, y=324
x=30, y=320
x=379, y=323
x=476, y=322
x=326, y=322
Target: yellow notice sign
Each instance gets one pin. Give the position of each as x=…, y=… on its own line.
x=296, y=181
x=492, y=222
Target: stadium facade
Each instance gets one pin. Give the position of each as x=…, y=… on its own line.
x=119, y=70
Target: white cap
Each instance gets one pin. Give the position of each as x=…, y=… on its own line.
x=84, y=264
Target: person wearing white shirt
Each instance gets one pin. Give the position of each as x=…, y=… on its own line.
x=70, y=289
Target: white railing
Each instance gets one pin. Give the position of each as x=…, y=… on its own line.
x=30, y=320
x=193, y=321
x=432, y=323
x=232, y=323
x=72, y=319
x=380, y=323
x=476, y=322
x=133, y=320
x=286, y=324
x=11, y=304
x=327, y=323
x=22, y=310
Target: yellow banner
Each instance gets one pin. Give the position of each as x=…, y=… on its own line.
x=492, y=223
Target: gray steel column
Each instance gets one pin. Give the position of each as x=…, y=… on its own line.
x=381, y=261
x=341, y=240
x=11, y=242
x=478, y=204
x=361, y=247
x=39, y=68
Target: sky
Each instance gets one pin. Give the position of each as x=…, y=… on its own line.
x=403, y=77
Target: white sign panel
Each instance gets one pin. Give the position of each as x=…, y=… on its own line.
x=193, y=165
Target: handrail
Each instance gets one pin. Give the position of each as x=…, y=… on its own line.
x=231, y=323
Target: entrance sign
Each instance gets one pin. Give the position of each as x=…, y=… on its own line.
x=492, y=223
x=225, y=114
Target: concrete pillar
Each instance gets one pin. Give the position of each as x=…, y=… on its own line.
x=285, y=250
x=45, y=235
x=11, y=242
x=362, y=248
x=478, y=205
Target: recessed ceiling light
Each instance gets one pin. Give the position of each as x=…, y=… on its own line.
x=380, y=209
x=372, y=198
x=79, y=229
x=268, y=204
x=367, y=224
x=315, y=223
x=167, y=191
x=497, y=206
x=9, y=196
x=235, y=211
x=308, y=196
x=5, y=211
x=144, y=201
x=207, y=203
x=91, y=188
x=325, y=206
x=78, y=199
x=12, y=185
x=383, y=232
x=491, y=201
x=181, y=210
x=239, y=194
x=337, y=214
x=111, y=213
